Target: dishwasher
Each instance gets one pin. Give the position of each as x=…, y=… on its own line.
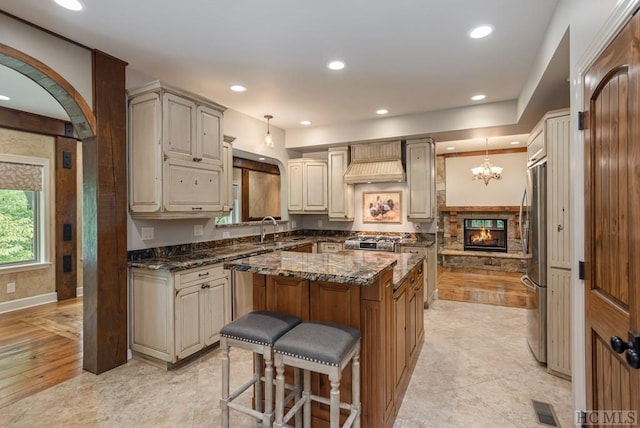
x=241, y=293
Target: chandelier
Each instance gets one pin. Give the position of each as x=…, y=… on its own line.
x=486, y=171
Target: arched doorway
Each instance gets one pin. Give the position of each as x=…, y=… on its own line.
x=103, y=134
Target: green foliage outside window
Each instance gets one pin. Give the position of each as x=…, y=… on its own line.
x=17, y=225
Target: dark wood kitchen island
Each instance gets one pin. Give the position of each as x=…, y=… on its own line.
x=381, y=294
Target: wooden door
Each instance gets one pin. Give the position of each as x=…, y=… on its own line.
x=612, y=211
x=189, y=312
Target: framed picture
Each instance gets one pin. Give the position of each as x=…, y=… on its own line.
x=382, y=207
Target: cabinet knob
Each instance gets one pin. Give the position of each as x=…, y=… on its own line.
x=560, y=227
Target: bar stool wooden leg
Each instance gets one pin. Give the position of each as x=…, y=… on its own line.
x=334, y=398
x=307, y=397
x=257, y=370
x=297, y=374
x=225, y=382
x=355, y=387
x=279, y=391
x=268, y=386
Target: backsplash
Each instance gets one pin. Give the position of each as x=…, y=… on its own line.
x=178, y=250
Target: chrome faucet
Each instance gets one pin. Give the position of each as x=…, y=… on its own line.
x=275, y=228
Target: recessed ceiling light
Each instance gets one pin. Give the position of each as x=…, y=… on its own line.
x=451, y=148
x=237, y=88
x=261, y=158
x=305, y=122
x=481, y=31
x=336, y=65
x=513, y=143
x=478, y=97
x=74, y=5
x=4, y=98
x=382, y=111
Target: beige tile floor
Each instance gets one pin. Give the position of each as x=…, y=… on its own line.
x=474, y=371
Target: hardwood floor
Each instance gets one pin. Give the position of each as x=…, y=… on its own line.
x=493, y=288
x=39, y=347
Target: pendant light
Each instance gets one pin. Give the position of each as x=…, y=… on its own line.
x=268, y=139
x=486, y=171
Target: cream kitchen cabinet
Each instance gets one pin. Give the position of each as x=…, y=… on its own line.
x=559, y=322
x=429, y=268
x=421, y=180
x=307, y=186
x=555, y=129
x=175, y=154
x=174, y=315
x=341, y=200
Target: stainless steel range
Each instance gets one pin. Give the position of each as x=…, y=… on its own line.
x=372, y=243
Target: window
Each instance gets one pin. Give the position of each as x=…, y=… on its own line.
x=23, y=211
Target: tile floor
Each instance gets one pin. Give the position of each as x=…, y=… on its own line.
x=475, y=370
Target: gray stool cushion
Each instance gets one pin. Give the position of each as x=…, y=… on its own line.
x=324, y=343
x=261, y=327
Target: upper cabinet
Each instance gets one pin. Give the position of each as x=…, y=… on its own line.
x=176, y=159
x=227, y=168
x=341, y=198
x=307, y=186
x=421, y=180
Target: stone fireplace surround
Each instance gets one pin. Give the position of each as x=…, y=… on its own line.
x=451, y=248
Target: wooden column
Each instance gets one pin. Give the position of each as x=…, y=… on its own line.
x=104, y=221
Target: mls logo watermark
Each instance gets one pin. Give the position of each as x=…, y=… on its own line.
x=607, y=417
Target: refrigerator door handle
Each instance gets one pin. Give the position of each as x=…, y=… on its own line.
x=523, y=239
x=526, y=281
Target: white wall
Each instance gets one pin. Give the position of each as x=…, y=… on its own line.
x=479, y=116
x=462, y=191
x=70, y=61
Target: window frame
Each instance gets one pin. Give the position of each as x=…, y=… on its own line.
x=43, y=221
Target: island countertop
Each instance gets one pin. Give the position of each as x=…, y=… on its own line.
x=345, y=267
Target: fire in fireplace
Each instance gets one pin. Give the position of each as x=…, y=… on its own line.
x=485, y=234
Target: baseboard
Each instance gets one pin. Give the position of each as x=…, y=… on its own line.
x=27, y=302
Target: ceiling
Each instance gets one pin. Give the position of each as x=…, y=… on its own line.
x=407, y=56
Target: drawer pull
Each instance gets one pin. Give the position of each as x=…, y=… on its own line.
x=200, y=275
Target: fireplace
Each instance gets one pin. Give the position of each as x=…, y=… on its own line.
x=485, y=234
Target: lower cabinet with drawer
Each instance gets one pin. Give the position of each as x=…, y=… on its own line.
x=174, y=315
x=329, y=247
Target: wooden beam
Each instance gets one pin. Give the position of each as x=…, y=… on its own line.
x=30, y=122
x=255, y=166
x=483, y=152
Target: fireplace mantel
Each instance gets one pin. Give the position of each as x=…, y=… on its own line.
x=487, y=209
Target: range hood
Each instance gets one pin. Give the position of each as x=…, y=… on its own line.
x=375, y=163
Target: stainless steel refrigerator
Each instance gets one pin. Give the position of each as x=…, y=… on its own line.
x=533, y=234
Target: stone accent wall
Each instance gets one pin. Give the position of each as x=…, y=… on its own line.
x=512, y=261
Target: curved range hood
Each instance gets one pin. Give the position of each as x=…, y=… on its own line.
x=375, y=163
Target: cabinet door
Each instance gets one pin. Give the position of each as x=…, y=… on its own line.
x=288, y=295
x=536, y=145
x=151, y=313
x=217, y=308
x=227, y=177
x=294, y=179
x=558, y=170
x=178, y=127
x=209, y=136
x=559, y=321
x=315, y=186
x=340, y=195
x=421, y=181
x=189, y=320
x=145, y=153
x=431, y=275
x=412, y=317
x=191, y=187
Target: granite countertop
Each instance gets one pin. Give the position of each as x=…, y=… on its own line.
x=406, y=263
x=222, y=254
x=408, y=242
x=346, y=267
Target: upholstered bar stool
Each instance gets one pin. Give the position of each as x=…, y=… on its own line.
x=324, y=348
x=257, y=332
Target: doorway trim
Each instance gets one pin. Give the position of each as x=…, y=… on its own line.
x=620, y=16
x=103, y=134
